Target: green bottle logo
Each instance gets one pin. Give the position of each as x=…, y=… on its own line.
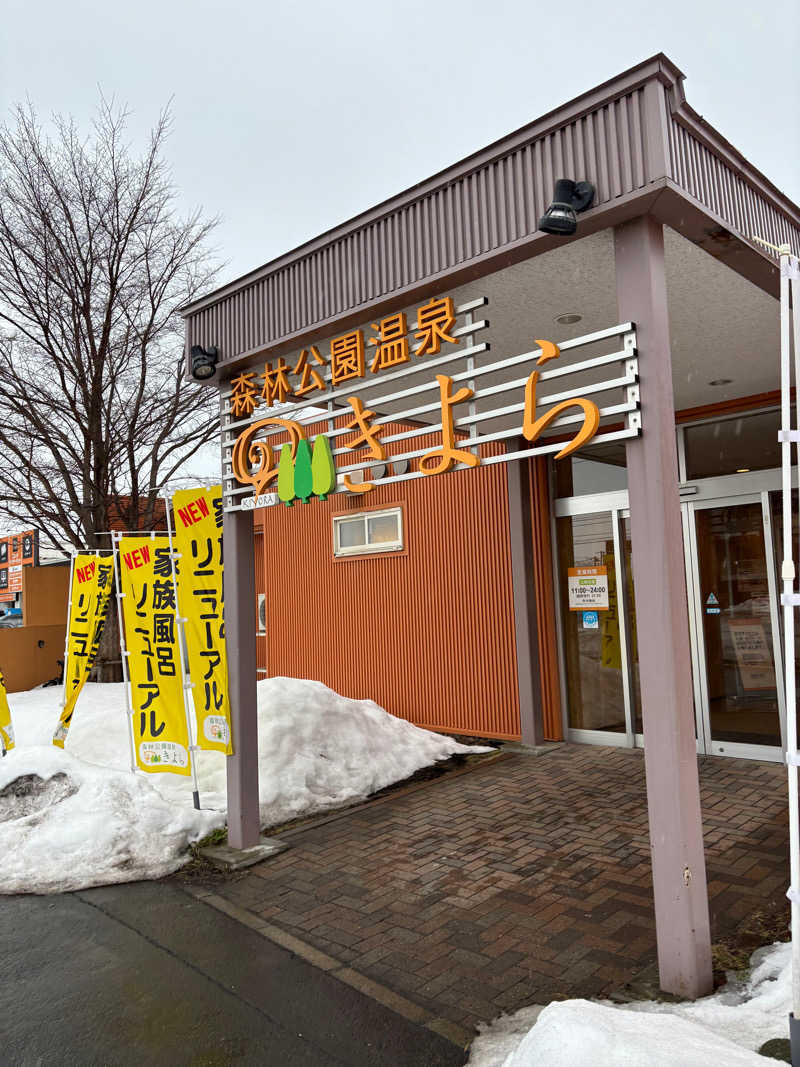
x=286, y=476
x=312, y=472
x=323, y=469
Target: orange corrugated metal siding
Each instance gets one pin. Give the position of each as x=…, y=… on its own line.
x=427, y=634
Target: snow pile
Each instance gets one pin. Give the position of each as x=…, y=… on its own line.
x=319, y=750
x=724, y=1028
x=578, y=1031
x=74, y=818
x=67, y=824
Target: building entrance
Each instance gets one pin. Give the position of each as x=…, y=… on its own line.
x=734, y=625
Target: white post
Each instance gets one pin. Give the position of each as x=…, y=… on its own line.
x=72, y=556
x=123, y=651
x=790, y=269
x=186, y=683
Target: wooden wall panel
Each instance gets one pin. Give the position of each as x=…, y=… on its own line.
x=427, y=634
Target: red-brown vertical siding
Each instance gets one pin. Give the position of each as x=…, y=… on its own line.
x=545, y=600
x=428, y=634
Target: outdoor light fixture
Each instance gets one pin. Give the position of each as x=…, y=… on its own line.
x=722, y=381
x=568, y=320
x=569, y=198
x=204, y=362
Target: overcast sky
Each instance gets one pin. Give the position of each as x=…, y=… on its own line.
x=292, y=117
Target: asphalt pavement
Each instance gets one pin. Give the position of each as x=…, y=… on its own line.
x=146, y=974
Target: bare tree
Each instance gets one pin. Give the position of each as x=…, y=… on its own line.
x=95, y=260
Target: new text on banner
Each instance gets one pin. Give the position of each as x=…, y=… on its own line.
x=89, y=601
x=198, y=542
x=148, y=612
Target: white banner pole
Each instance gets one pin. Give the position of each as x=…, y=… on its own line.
x=73, y=554
x=790, y=325
x=788, y=574
x=790, y=272
x=123, y=651
x=187, y=684
x=3, y=751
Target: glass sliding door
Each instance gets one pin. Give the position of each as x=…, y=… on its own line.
x=595, y=595
x=733, y=602
x=732, y=586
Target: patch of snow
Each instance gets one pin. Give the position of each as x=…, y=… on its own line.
x=84, y=825
x=749, y=1012
x=499, y=1039
x=76, y=818
x=578, y=1031
x=727, y=1027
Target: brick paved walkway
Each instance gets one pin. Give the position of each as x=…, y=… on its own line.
x=524, y=880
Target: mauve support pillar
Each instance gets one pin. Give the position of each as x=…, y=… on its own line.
x=240, y=631
x=670, y=754
x=525, y=623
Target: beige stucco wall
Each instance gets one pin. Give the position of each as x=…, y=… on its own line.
x=44, y=596
x=24, y=663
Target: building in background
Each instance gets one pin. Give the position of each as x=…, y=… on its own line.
x=32, y=649
x=17, y=551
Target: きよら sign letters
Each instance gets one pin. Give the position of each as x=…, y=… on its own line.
x=405, y=381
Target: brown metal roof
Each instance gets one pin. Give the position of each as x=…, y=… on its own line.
x=634, y=136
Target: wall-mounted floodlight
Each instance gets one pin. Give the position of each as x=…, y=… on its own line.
x=569, y=199
x=204, y=362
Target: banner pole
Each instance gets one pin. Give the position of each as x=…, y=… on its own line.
x=180, y=621
x=3, y=750
x=123, y=651
x=790, y=332
x=73, y=554
x=789, y=601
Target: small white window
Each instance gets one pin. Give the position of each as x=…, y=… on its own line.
x=369, y=531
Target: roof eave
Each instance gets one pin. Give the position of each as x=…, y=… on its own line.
x=658, y=67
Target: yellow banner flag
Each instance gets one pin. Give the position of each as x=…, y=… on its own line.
x=6, y=729
x=148, y=610
x=90, y=592
x=198, y=541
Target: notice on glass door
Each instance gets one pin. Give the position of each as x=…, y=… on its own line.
x=752, y=652
x=588, y=588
